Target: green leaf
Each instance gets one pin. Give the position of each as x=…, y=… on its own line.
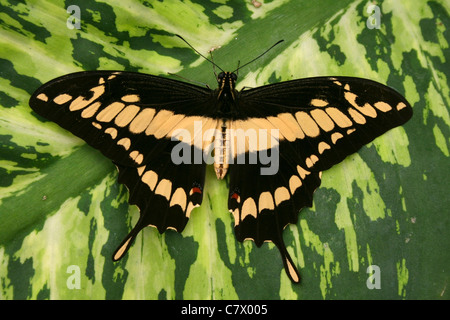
x=379, y=225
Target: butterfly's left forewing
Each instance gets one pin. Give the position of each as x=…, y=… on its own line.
x=319, y=121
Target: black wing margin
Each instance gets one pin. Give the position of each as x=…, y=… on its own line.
x=320, y=121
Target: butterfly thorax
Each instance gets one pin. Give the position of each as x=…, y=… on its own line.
x=226, y=94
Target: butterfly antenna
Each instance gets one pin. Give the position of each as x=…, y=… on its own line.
x=214, y=65
x=199, y=53
x=258, y=56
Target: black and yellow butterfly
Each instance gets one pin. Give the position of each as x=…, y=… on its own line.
x=160, y=133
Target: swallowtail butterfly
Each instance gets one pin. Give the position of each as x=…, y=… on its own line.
x=273, y=141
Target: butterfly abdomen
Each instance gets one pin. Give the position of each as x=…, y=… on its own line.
x=221, y=151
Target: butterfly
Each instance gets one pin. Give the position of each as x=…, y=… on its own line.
x=272, y=141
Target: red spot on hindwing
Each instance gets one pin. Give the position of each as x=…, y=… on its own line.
x=235, y=196
x=196, y=190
